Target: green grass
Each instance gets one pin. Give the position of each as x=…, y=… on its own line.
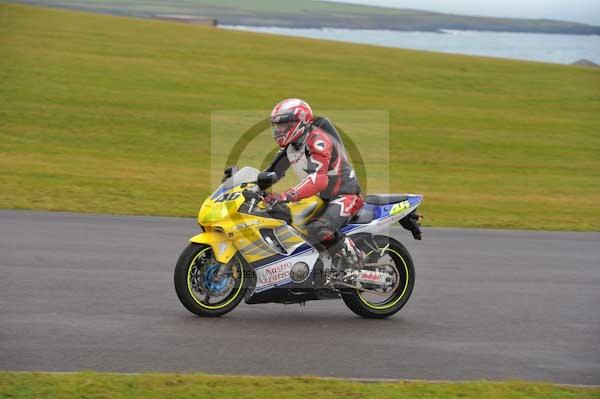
x=112, y=115
x=102, y=385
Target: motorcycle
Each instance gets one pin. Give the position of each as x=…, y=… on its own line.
x=261, y=254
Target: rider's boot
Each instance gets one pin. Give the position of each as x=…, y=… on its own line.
x=352, y=256
x=349, y=259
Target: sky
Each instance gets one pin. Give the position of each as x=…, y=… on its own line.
x=585, y=11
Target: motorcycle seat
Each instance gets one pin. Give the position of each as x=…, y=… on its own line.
x=384, y=199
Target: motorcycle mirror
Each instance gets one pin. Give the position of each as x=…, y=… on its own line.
x=266, y=180
x=229, y=171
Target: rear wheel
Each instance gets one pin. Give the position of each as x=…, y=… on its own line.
x=393, y=258
x=206, y=287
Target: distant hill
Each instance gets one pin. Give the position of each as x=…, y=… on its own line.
x=319, y=14
x=587, y=63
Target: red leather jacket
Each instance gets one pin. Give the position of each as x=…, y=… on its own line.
x=320, y=162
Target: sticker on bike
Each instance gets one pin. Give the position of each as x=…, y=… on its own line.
x=228, y=197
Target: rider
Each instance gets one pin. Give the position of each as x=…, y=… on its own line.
x=321, y=163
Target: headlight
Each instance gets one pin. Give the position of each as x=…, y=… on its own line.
x=212, y=214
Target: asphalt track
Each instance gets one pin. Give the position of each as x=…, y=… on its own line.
x=83, y=292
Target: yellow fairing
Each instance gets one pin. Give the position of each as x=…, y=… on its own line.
x=222, y=248
x=225, y=206
x=228, y=231
x=303, y=210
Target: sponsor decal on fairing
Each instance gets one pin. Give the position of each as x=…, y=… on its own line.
x=279, y=273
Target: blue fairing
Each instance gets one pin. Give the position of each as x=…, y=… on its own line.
x=382, y=211
x=415, y=200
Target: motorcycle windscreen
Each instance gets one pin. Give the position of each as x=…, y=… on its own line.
x=245, y=175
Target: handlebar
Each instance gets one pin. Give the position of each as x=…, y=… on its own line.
x=256, y=195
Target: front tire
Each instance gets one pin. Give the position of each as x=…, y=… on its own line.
x=375, y=307
x=204, y=286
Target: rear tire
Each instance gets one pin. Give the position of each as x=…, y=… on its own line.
x=196, y=276
x=405, y=270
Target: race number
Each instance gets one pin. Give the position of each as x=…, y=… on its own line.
x=228, y=197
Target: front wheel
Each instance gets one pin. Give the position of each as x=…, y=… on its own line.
x=394, y=259
x=206, y=287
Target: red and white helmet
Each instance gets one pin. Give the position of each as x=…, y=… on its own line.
x=289, y=120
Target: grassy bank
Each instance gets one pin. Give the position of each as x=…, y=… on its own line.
x=101, y=385
x=112, y=115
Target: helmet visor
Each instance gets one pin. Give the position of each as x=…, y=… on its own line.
x=280, y=131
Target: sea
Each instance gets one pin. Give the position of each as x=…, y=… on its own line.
x=553, y=48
